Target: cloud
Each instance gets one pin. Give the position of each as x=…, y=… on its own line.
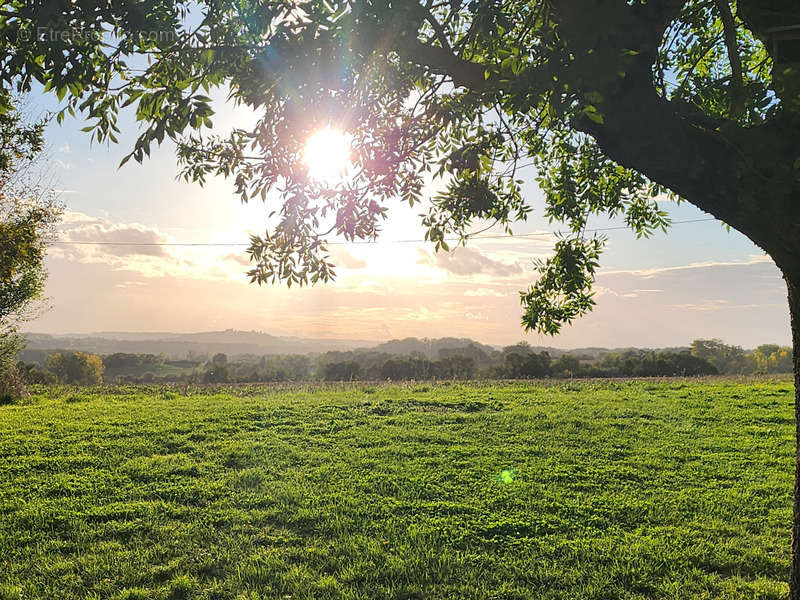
x=130, y=284
x=240, y=258
x=115, y=238
x=476, y=316
x=343, y=258
x=484, y=293
x=721, y=304
x=64, y=148
x=141, y=249
x=469, y=261
x=648, y=273
x=400, y=290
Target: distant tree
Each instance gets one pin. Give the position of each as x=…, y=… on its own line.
x=566, y=366
x=525, y=366
x=688, y=365
x=619, y=364
x=666, y=364
x=520, y=348
x=771, y=358
x=342, y=371
x=726, y=358
x=479, y=356
x=457, y=366
x=76, y=367
x=217, y=374
x=32, y=373
x=407, y=367
x=219, y=360
x=28, y=213
x=394, y=369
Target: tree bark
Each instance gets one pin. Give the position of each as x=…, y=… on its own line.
x=793, y=284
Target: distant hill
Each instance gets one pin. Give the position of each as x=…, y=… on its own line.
x=234, y=343
x=230, y=342
x=428, y=347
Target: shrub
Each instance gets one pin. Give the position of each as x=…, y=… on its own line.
x=12, y=387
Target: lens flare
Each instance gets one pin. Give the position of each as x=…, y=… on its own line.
x=327, y=155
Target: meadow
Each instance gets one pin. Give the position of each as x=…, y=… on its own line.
x=596, y=489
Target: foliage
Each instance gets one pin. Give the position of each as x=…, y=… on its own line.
x=76, y=367
x=31, y=374
x=655, y=364
x=127, y=360
x=216, y=373
x=519, y=361
x=726, y=358
x=464, y=362
x=621, y=490
x=27, y=218
x=342, y=371
x=771, y=358
x=12, y=383
x=526, y=365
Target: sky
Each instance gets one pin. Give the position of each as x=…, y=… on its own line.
x=697, y=281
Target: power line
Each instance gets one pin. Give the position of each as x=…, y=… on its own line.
x=545, y=234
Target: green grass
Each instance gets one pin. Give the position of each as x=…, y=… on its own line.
x=585, y=490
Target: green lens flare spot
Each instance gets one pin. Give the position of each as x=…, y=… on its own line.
x=507, y=476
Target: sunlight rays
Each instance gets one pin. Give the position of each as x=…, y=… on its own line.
x=327, y=155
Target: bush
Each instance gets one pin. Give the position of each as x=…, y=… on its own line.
x=12, y=387
x=32, y=374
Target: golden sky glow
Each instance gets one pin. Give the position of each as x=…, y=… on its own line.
x=699, y=281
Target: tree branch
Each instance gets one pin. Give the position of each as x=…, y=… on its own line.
x=440, y=60
x=736, y=81
x=438, y=30
x=742, y=176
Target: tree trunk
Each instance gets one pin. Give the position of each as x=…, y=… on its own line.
x=793, y=284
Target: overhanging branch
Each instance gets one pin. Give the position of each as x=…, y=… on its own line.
x=442, y=61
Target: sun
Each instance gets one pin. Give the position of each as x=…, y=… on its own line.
x=327, y=155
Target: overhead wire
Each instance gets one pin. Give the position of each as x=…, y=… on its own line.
x=540, y=234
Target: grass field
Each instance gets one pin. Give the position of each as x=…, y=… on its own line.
x=671, y=489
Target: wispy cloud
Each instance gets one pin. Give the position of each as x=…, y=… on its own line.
x=114, y=239
x=484, y=293
x=141, y=249
x=470, y=261
x=646, y=273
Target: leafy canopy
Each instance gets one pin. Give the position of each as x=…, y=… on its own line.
x=464, y=92
x=27, y=215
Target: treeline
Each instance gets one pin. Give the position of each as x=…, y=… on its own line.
x=64, y=367
x=472, y=361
